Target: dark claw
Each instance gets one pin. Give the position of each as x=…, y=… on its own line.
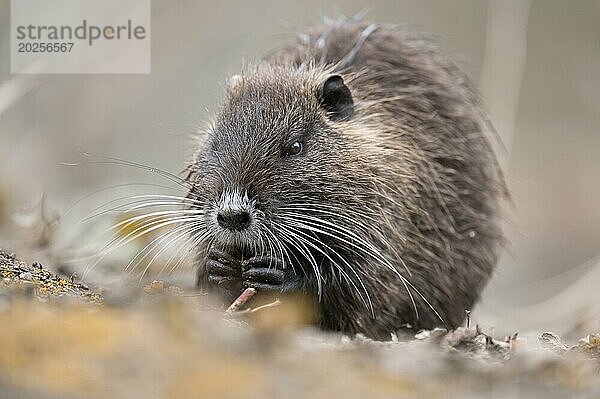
x=214, y=267
x=222, y=257
x=222, y=268
x=263, y=261
x=264, y=275
x=218, y=280
x=267, y=273
x=263, y=286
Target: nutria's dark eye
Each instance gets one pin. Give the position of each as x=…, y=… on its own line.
x=294, y=149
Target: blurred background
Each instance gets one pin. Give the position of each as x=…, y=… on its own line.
x=537, y=64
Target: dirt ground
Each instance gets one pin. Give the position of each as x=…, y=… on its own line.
x=62, y=339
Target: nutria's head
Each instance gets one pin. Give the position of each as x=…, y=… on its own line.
x=274, y=154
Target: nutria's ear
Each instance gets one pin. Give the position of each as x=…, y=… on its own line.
x=336, y=98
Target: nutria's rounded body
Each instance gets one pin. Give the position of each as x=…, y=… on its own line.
x=353, y=166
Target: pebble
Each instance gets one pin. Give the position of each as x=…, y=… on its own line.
x=27, y=276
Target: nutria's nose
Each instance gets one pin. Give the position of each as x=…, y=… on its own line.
x=234, y=219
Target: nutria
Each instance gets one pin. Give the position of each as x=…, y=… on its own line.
x=353, y=166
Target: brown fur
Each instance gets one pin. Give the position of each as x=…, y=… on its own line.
x=411, y=173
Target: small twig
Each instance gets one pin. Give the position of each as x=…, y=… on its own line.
x=276, y=302
x=241, y=300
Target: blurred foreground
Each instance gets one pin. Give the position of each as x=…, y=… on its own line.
x=65, y=342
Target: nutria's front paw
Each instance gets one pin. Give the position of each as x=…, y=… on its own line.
x=222, y=268
x=269, y=273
